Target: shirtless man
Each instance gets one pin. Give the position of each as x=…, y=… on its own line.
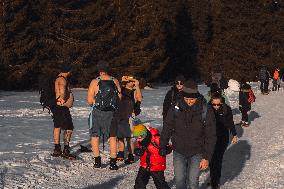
x=103, y=95
x=61, y=115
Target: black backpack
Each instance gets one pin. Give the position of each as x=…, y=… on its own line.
x=107, y=96
x=47, y=91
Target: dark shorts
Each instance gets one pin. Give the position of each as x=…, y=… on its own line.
x=100, y=123
x=62, y=118
x=124, y=128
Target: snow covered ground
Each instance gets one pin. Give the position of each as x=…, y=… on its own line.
x=256, y=162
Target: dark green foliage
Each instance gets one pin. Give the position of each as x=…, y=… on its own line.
x=153, y=40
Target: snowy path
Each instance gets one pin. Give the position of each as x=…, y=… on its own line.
x=256, y=162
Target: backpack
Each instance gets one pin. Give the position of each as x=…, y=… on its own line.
x=251, y=97
x=47, y=91
x=276, y=75
x=107, y=96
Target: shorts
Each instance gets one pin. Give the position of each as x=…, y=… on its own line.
x=100, y=123
x=62, y=118
x=124, y=128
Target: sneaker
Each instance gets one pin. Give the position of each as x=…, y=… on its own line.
x=130, y=159
x=67, y=155
x=120, y=156
x=98, y=162
x=56, y=152
x=112, y=164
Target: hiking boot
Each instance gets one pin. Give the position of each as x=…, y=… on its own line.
x=244, y=124
x=112, y=164
x=98, y=162
x=66, y=153
x=130, y=159
x=57, y=151
x=120, y=156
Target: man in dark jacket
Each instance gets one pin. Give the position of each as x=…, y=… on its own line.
x=191, y=127
x=173, y=95
x=264, y=79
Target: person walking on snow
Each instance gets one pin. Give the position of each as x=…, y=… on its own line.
x=173, y=96
x=104, y=94
x=192, y=129
x=246, y=98
x=276, y=80
x=128, y=105
x=224, y=126
x=264, y=80
x=152, y=164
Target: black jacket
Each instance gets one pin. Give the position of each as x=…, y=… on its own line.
x=172, y=96
x=243, y=100
x=224, y=122
x=184, y=126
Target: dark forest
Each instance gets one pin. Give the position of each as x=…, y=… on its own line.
x=151, y=39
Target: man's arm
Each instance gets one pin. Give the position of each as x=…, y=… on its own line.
x=209, y=134
x=137, y=94
x=116, y=82
x=167, y=129
x=92, y=91
x=60, y=87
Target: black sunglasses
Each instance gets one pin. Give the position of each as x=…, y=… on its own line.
x=217, y=105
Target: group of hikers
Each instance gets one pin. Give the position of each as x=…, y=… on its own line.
x=197, y=126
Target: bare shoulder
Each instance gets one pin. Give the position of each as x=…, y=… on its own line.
x=94, y=83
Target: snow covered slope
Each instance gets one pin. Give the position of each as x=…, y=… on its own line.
x=26, y=142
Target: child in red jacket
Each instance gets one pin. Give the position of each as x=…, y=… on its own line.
x=151, y=162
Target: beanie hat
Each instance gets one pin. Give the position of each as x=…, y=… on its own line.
x=139, y=130
x=180, y=78
x=64, y=68
x=190, y=89
x=103, y=66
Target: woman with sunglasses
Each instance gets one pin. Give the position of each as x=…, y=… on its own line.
x=224, y=126
x=173, y=95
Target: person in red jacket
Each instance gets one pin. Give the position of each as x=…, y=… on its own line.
x=151, y=162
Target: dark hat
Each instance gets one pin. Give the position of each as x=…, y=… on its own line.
x=64, y=68
x=180, y=78
x=190, y=89
x=103, y=66
x=214, y=88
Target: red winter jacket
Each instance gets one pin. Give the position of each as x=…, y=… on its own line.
x=157, y=162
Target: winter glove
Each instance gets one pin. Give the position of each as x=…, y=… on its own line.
x=163, y=152
x=139, y=151
x=168, y=149
x=137, y=109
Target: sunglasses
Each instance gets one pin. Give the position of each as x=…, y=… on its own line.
x=218, y=105
x=179, y=83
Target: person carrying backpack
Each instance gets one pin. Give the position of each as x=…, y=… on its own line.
x=224, y=126
x=152, y=164
x=191, y=127
x=173, y=95
x=246, y=98
x=129, y=106
x=104, y=94
x=58, y=98
x=276, y=80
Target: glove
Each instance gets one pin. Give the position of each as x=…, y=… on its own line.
x=169, y=149
x=139, y=151
x=137, y=109
x=163, y=152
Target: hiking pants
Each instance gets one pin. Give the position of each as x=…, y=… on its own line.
x=244, y=115
x=217, y=158
x=143, y=177
x=266, y=84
